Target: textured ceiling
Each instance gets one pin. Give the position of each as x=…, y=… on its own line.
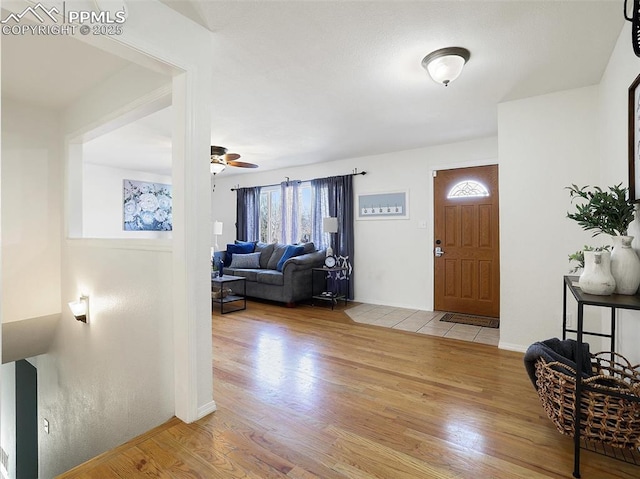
x=299, y=82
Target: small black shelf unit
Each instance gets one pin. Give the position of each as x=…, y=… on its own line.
x=614, y=302
x=218, y=283
x=332, y=292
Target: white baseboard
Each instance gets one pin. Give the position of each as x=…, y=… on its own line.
x=512, y=347
x=206, y=409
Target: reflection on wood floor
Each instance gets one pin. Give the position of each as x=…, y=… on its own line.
x=308, y=393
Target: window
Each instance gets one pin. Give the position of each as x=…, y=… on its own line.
x=270, y=215
x=288, y=222
x=468, y=189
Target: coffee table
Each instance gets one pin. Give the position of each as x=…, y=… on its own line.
x=218, y=284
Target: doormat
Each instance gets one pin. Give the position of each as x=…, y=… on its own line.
x=472, y=320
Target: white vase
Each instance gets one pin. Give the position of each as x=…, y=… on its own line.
x=625, y=265
x=596, y=277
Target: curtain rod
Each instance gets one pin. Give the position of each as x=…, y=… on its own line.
x=355, y=173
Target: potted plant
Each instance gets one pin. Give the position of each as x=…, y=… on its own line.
x=610, y=212
x=607, y=212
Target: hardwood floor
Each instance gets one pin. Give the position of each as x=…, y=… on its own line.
x=307, y=393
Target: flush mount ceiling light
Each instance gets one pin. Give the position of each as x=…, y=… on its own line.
x=445, y=65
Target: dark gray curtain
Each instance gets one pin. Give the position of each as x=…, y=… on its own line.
x=248, y=214
x=334, y=197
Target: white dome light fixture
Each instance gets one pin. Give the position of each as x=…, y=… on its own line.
x=445, y=65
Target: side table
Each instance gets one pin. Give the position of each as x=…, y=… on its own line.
x=614, y=302
x=332, y=292
x=218, y=284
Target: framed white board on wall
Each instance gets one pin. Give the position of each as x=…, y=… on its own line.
x=391, y=205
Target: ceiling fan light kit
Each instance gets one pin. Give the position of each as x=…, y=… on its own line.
x=445, y=65
x=220, y=159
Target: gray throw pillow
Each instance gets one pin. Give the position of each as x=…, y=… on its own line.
x=308, y=247
x=266, y=250
x=245, y=261
x=278, y=251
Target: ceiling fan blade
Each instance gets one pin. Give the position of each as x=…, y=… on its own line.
x=231, y=157
x=241, y=164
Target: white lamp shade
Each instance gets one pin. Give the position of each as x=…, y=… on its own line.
x=217, y=227
x=80, y=308
x=330, y=224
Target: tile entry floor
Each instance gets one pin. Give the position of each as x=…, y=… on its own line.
x=424, y=322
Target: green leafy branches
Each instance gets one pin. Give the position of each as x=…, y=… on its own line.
x=604, y=211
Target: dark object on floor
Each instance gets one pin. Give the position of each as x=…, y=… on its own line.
x=472, y=320
x=552, y=350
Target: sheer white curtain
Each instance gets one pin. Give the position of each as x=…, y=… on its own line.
x=290, y=214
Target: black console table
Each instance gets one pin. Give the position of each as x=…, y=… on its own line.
x=613, y=302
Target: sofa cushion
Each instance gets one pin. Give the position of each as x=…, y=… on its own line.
x=308, y=247
x=289, y=252
x=266, y=250
x=246, y=261
x=249, y=274
x=270, y=276
x=278, y=251
x=242, y=248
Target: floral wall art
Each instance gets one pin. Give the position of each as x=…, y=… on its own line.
x=147, y=206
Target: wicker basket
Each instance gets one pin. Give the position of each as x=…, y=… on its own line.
x=221, y=293
x=605, y=418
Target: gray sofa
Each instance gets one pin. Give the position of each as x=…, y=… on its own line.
x=290, y=285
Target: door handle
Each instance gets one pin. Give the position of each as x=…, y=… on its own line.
x=438, y=251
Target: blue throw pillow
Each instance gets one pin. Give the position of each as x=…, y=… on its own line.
x=290, y=252
x=246, y=243
x=241, y=248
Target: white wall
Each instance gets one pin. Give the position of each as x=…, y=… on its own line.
x=102, y=215
x=546, y=143
x=393, y=261
x=107, y=381
x=622, y=69
x=31, y=211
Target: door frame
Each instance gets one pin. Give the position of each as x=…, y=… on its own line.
x=431, y=267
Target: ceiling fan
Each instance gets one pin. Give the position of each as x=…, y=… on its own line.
x=220, y=159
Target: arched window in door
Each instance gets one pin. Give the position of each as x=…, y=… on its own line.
x=468, y=189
